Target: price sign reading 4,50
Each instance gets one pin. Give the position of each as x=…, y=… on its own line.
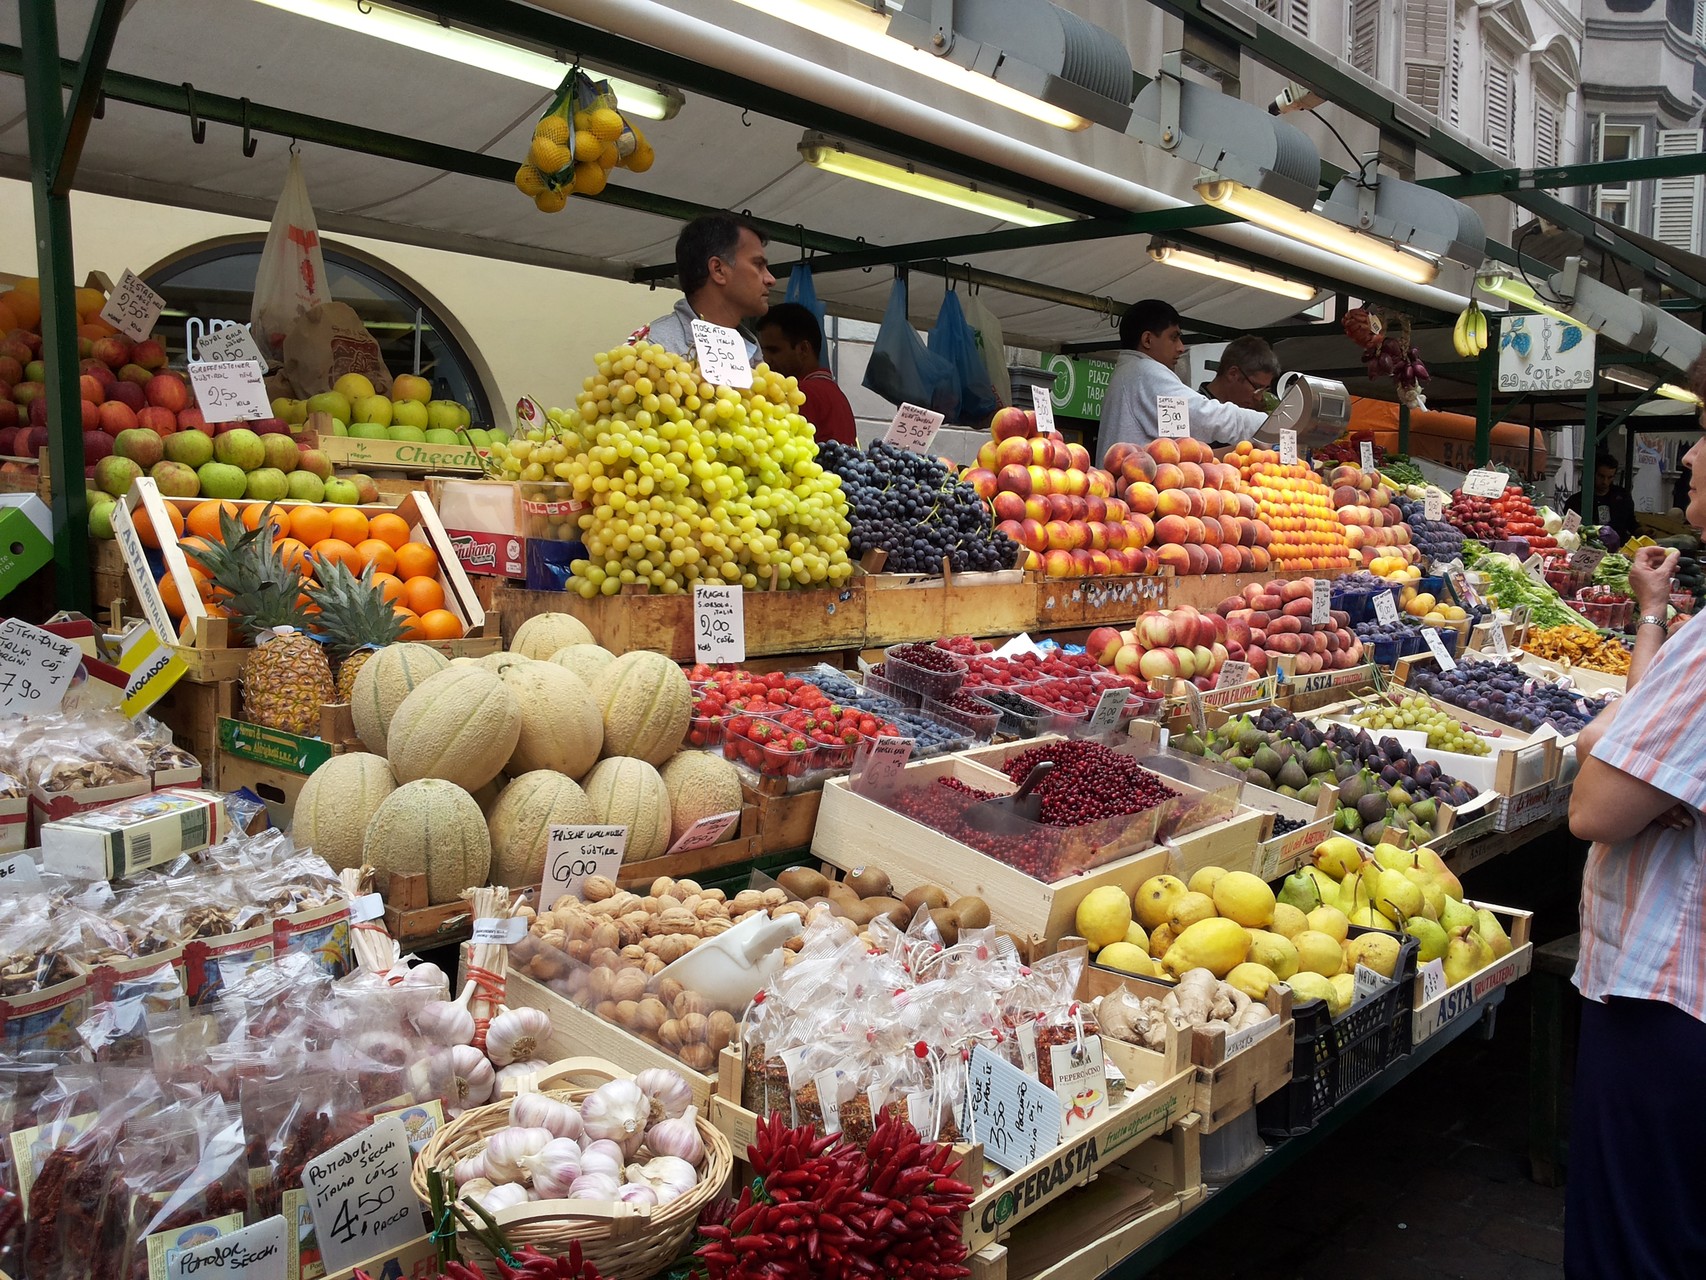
x=719, y=624
x=359, y=1195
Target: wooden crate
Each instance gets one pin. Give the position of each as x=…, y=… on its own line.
x=1067, y=603
x=1468, y=998
x=1204, y=591
x=1303, y=694
x=808, y=621
x=900, y=607
x=743, y=846
x=988, y=604
x=576, y=1031
x=1231, y=844
x=192, y=711
x=110, y=580
x=413, y=919
x=417, y=1260
x=1280, y=855
x=853, y=830
x=279, y=788
x=785, y=822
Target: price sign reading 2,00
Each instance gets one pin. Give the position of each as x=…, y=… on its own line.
x=719, y=624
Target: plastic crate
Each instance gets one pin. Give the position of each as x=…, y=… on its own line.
x=923, y=680
x=1336, y=1056
x=771, y=759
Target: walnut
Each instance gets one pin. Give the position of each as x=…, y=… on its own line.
x=606, y=958
x=598, y=984
x=672, y=946
x=688, y=886
x=775, y=897
x=626, y=902
x=579, y=950
x=630, y=984
x=668, y=902
x=546, y=965
x=627, y=1013
x=554, y=938
x=597, y=888
x=650, y=1015
x=700, y=1057
x=634, y=952
x=668, y=990
x=661, y=886
x=747, y=900
x=722, y=1030
x=606, y=1009
x=689, y=1003
x=715, y=895
x=653, y=966
x=717, y=924
x=631, y=928
x=605, y=909
x=676, y=920
x=606, y=936
x=711, y=909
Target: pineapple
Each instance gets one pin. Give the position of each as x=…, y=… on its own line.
x=356, y=618
x=287, y=677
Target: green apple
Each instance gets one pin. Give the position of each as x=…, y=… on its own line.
x=373, y=409
x=335, y=403
x=462, y=412
x=497, y=435
x=402, y=431
x=442, y=435
x=294, y=412
x=239, y=448
x=446, y=414
x=409, y=413
x=479, y=437
x=268, y=484
x=222, y=480
x=101, y=519
x=342, y=492
x=305, y=486
x=191, y=448
x=368, y=431
x=354, y=386
x=339, y=428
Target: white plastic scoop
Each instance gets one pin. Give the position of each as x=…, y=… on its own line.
x=732, y=967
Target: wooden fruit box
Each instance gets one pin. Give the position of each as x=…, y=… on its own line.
x=109, y=578
x=417, y=1260
x=1475, y=993
x=1303, y=694
x=192, y=711
x=807, y=621
x=853, y=830
x=359, y=453
x=1188, y=708
x=412, y=919
x=785, y=822
x=207, y=648
x=1116, y=601
x=901, y=607
x=742, y=846
x=1279, y=855
x=1232, y=844
x=1232, y=1073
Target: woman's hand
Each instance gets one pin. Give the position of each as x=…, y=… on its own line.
x=1650, y=576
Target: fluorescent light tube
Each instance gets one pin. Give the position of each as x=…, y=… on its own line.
x=1310, y=228
x=834, y=158
x=1173, y=255
x=1520, y=293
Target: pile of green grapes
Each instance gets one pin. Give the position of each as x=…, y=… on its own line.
x=1445, y=732
x=685, y=482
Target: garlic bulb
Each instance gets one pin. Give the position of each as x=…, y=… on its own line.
x=474, y=1188
x=517, y=1035
x=511, y=1077
x=423, y=975
x=670, y=1177
x=462, y=1077
x=553, y=1168
x=637, y=1193
x=541, y=1111
x=594, y=1186
x=504, y=1197
x=471, y=1170
x=666, y=1092
x=678, y=1137
x=447, y=1022
x=602, y=1156
x=507, y=1148
x=616, y=1111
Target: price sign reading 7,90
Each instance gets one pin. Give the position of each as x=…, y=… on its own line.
x=719, y=624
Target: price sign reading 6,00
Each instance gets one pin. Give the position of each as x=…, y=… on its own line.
x=575, y=855
x=719, y=624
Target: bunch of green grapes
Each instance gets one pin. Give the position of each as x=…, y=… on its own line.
x=537, y=454
x=1445, y=732
x=686, y=482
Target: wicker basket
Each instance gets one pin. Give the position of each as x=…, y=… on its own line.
x=625, y=1242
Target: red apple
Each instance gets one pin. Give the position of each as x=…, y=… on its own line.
x=91, y=389
x=149, y=353
x=91, y=415
x=167, y=391
x=114, y=352
x=162, y=422
x=116, y=416
x=96, y=445
x=11, y=417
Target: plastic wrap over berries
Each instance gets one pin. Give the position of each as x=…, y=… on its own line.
x=916, y=510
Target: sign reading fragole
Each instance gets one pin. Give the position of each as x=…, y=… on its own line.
x=1172, y=417
x=36, y=667
x=1043, y=403
x=719, y=624
x=230, y=389
x=573, y=855
x=722, y=355
x=913, y=428
x=133, y=308
x=360, y=1198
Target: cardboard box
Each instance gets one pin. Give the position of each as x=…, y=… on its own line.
x=56, y=806
x=14, y=824
x=484, y=526
x=123, y=838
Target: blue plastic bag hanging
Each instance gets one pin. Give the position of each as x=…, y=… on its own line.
x=956, y=342
x=803, y=291
x=902, y=369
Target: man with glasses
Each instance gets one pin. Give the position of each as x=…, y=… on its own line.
x=1246, y=375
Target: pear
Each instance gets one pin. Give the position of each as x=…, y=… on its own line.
x=1398, y=896
x=1326, y=886
x=1379, y=951
x=1369, y=918
x=1431, y=861
x=1454, y=915
x=1330, y=921
x=1300, y=891
x=1336, y=856
x=1433, y=897
x=1393, y=858
x=1490, y=931
x=1431, y=939
x=1464, y=955
x=1273, y=952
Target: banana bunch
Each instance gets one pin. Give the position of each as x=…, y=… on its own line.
x=1469, y=335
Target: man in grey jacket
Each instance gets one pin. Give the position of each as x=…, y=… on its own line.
x=1150, y=334
x=721, y=266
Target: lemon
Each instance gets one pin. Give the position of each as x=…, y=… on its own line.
x=587, y=145
x=1216, y=945
x=1153, y=902
x=548, y=156
x=589, y=179
x=1104, y=916
x=604, y=123
x=608, y=156
x=1202, y=880
x=1273, y=953
x=530, y=181
x=641, y=159
x=1135, y=935
x=1127, y=959
x=1252, y=979
x=550, y=201
x=1317, y=953
x=1188, y=908
x=1289, y=920
x=1379, y=951
x=1240, y=896
x=553, y=127
x=1328, y=920
x=1311, y=986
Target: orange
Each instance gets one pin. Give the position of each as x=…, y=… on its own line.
x=412, y=629
x=378, y=553
x=311, y=524
x=169, y=596
x=423, y=595
x=392, y=530
x=337, y=549
x=203, y=519
x=145, y=525
x=441, y=624
x=415, y=560
x=277, y=517
x=348, y=525
x=388, y=585
x=26, y=306
x=295, y=553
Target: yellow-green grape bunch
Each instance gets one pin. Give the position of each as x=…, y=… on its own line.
x=1445, y=732
x=688, y=482
x=539, y=454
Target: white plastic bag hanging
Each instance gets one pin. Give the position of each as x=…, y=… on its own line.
x=292, y=275
x=992, y=344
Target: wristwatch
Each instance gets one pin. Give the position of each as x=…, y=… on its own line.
x=1653, y=620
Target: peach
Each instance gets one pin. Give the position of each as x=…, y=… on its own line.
x=1102, y=644
x=1171, y=530
x=1012, y=423
x=1097, y=534
x=1198, y=503
x=1101, y=563
x=1095, y=507
x=1138, y=466
x=982, y=480
x=1007, y=506
x=1258, y=660
x=1014, y=479
x=1205, y=659
x=1059, y=535
x=1042, y=479
x=1032, y=534
x=1153, y=629
x=1193, y=450
x=1128, y=661
x=1164, y=450
x=1142, y=530
x=1168, y=476
x=1058, y=563
x=1010, y=528
x=1117, y=508
x=1247, y=506
x=1173, y=502
x=1036, y=508
x=1142, y=497
x=1187, y=659
x=1231, y=529
x=1196, y=557
x=1211, y=502
x=1013, y=453
x=1118, y=452
x=1081, y=460
x=1195, y=530
x=1193, y=475
x=1101, y=482
x=986, y=456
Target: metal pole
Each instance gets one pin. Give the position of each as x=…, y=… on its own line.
x=1486, y=374
x=45, y=116
x=1404, y=427
x=1590, y=450
x=1528, y=471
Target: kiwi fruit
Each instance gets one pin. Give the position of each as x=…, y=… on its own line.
x=893, y=908
x=803, y=882
x=866, y=910
x=841, y=893
x=869, y=882
x=946, y=925
x=927, y=896
x=971, y=913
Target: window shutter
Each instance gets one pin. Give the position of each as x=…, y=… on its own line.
x=1427, y=52
x=1676, y=203
x=1500, y=94
x=1293, y=14
x=1548, y=112
x=1363, y=27
x=1455, y=93
x=1700, y=21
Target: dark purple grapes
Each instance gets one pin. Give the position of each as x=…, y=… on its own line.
x=917, y=510
x=1501, y=691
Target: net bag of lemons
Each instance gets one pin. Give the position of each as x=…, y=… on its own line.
x=582, y=136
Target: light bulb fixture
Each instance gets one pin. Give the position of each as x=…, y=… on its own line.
x=649, y=101
x=1173, y=255
x=1670, y=391
x=1424, y=222
x=836, y=157
x=1642, y=382
x=1028, y=56
x=1311, y=228
x=1519, y=293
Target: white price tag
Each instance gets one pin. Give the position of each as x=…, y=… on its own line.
x=229, y=342
x=1572, y=520
x=1535, y=568
x=1433, y=504
x=1080, y=1082
x=573, y=855
x=719, y=624
x=499, y=931
x=1385, y=607
x=370, y=906
x=1586, y=561
x=913, y=428
x=1108, y=708
x=254, y=1253
x=1321, y=604
x=19, y=874
x=1481, y=483
x=359, y=1195
x=36, y=667
x=722, y=355
x=879, y=762
x=1014, y=1117
x=1496, y=637
x=133, y=307
x=229, y=390
x=829, y=1099
x=1366, y=449
x=1172, y=417
x=1433, y=981
x=1288, y=445
x=1233, y=674
x=1239, y=1041
x=1042, y=400
x=705, y=832
x=1368, y=982
x=1436, y=646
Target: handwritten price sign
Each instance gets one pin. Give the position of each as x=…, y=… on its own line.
x=229, y=342
x=1011, y=1113
x=133, y=307
x=719, y=624
x=575, y=855
x=1288, y=445
x=1042, y=401
x=913, y=428
x=359, y=1195
x=228, y=390
x=722, y=355
x=254, y=1253
x=1172, y=417
x=35, y=668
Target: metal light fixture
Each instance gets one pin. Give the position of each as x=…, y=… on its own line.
x=1641, y=382
x=834, y=156
x=649, y=101
x=1310, y=228
x=1029, y=56
x=1624, y=318
x=1173, y=255
x=1420, y=220
x=1492, y=280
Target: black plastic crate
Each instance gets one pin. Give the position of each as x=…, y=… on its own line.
x=1333, y=1057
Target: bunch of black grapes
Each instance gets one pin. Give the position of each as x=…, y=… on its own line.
x=917, y=510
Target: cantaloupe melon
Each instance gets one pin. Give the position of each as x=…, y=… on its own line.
x=500, y=661
x=383, y=682
x=336, y=803
x=647, y=704
x=700, y=785
x=521, y=822
x=628, y=792
x=561, y=725
x=433, y=828
x=542, y=635
x=460, y=725
x=586, y=660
